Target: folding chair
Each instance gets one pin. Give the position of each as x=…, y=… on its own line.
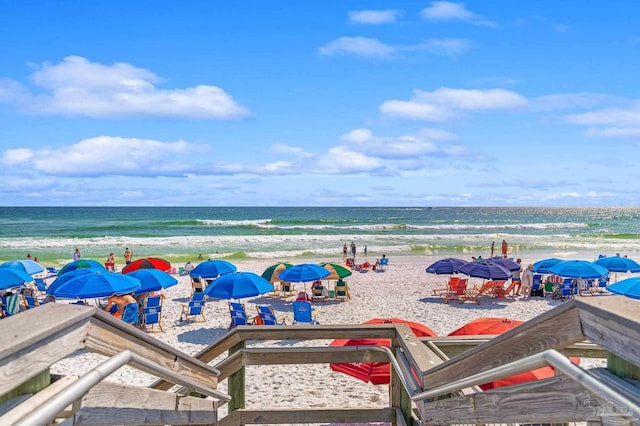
x=194, y=308
x=30, y=302
x=152, y=313
x=131, y=314
x=266, y=316
x=41, y=285
x=303, y=313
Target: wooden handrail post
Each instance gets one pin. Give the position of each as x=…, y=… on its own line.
x=398, y=396
x=236, y=382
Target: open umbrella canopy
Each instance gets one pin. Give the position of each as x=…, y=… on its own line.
x=147, y=263
x=29, y=266
x=485, y=270
x=213, y=268
x=304, y=272
x=152, y=280
x=484, y=326
x=506, y=263
x=447, y=266
x=618, y=264
x=377, y=373
x=81, y=264
x=88, y=283
x=272, y=273
x=236, y=285
x=337, y=270
x=542, y=266
x=12, y=277
x=629, y=287
x=578, y=269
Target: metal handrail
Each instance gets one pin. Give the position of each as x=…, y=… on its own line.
x=50, y=408
x=548, y=357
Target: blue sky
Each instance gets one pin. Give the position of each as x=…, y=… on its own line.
x=319, y=103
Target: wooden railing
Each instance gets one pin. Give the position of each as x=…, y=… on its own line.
x=447, y=370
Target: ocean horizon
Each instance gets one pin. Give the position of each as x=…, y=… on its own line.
x=294, y=233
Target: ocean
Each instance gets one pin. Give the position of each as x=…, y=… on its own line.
x=294, y=233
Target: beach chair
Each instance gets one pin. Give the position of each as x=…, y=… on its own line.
x=342, y=290
x=585, y=286
x=603, y=281
x=30, y=302
x=473, y=295
x=566, y=289
x=457, y=293
x=131, y=314
x=198, y=284
x=453, y=281
x=303, y=313
x=509, y=290
x=40, y=284
x=11, y=305
x=318, y=291
x=286, y=289
x=536, y=286
x=383, y=264
x=152, y=313
x=194, y=308
x=267, y=316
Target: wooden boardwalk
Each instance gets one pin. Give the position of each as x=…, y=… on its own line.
x=433, y=381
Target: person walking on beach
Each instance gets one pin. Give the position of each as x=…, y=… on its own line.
x=344, y=251
x=111, y=263
x=353, y=249
x=128, y=254
x=527, y=281
x=365, y=251
x=493, y=247
x=76, y=254
x=505, y=248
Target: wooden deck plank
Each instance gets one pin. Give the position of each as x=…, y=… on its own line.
x=551, y=330
x=309, y=415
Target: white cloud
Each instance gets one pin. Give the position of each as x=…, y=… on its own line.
x=373, y=17
x=450, y=11
x=443, y=46
x=360, y=46
x=104, y=156
x=281, y=148
x=444, y=103
x=357, y=136
x=342, y=160
x=614, y=132
x=609, y=116
x=77, y=86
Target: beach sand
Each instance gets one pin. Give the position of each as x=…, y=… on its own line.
x=403, y=291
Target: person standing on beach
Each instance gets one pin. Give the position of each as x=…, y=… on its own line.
x=111, y=263
x=344, y=251
x=353, y=249
x=493, y=247
x=505, y=248
x=76, y=254
x=365, y=251
x=128, y=254
x=527, y=281
x=515, y=278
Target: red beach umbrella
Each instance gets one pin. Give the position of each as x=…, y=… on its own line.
x=147, y=263
x=484, y=326
x=378, y=373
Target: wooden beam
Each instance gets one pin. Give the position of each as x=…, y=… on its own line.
x=41, y=352
x=309, y=415
x=237, y=382
x=108, y=336
x=553, y=329
x=36, y=400
x=612, y=323
x=554, y=400
x=111, y=403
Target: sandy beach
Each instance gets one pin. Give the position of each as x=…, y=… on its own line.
x=403, y=291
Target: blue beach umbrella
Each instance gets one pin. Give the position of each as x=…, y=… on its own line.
x=152, y=280
x=213, y=268
x=505, y=263
x=236, y=285
x=446, y=266
x=31, y=267
x=81, y=264
x=542, y=266
x=629, y=287
x=12, y=277
x=88, y=283
x=618, y=264
x=582, y=269
x=304, y=272
x=485, y=270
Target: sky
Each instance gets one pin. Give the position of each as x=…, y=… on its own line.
x=319, y=103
